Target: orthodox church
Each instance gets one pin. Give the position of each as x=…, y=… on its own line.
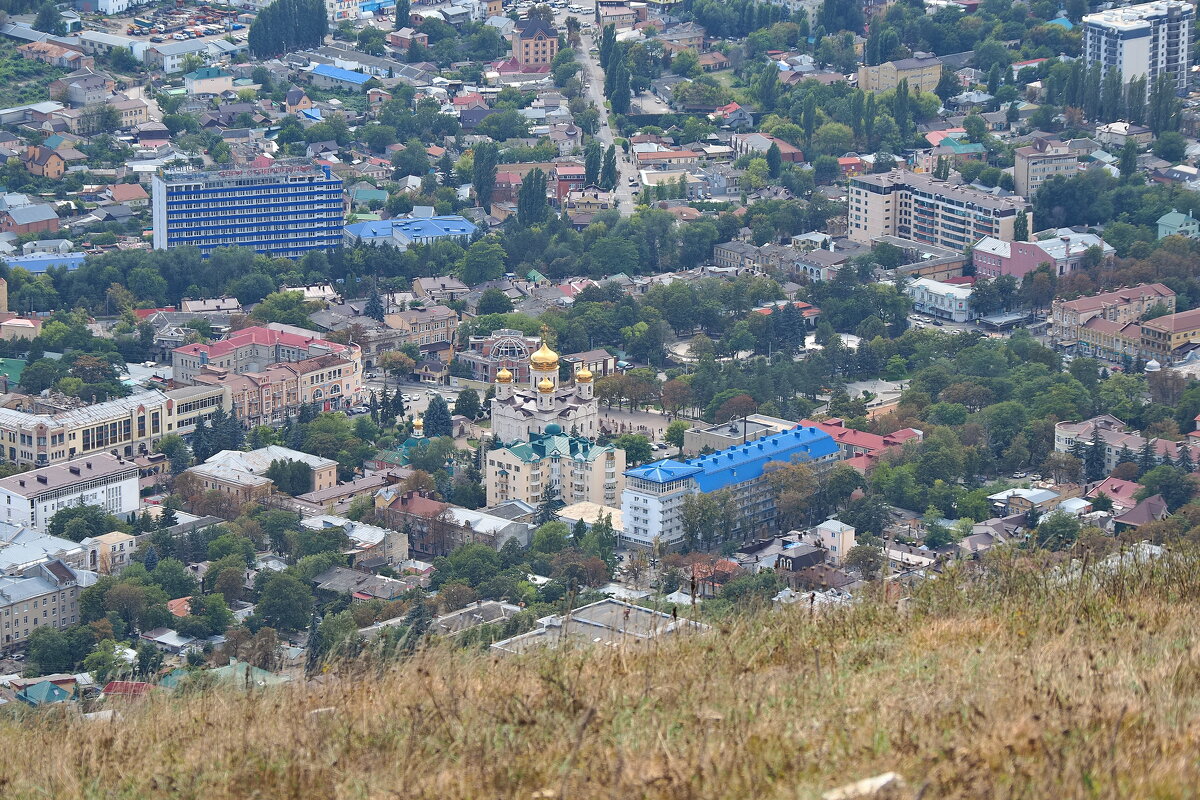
x=522, y=412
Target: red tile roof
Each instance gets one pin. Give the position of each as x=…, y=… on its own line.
x=256, y=335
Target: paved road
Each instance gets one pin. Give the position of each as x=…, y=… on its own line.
x=594, y=78
x=418, y=391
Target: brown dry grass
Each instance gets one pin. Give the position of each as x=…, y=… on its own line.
x=1013, y=685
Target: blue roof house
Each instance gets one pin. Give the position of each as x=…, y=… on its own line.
x=327, y=76
x=652, y=502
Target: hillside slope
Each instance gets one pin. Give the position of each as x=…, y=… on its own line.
x=1016, y=685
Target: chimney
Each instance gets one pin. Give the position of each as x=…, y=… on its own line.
x=42, y=479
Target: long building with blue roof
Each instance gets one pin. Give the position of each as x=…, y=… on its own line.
x=37, y=263
x=402, y=233
x=652, y=502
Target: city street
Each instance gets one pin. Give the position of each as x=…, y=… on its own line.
x=419, y=391
x=594, y=80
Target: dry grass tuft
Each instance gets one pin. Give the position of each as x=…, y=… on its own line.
x=1009, y=685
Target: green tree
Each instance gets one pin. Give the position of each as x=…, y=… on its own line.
x=83, y=522
x=106, y=663
x=832, y=139
x=675, y=433
x=636, y=447
x=467, y=404
x=867, y=559
x=176, y=450
x=49, y=20
x=284, y=601
x=1021, y=227
x=532, y=207
x=608, y=174
x=483, y=173
x=484, y=261
x=1057, y=531
x=493, y=301
x=550, y=537
x=593, y=156
x=437, y=418
x=774, y=160
x=289, y=308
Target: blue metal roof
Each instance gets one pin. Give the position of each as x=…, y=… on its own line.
x=337, y=73
x=743, y=462
x=412, y=229
x=40, y=262
x=371, y=229
x=433, y=227
x=663, y=471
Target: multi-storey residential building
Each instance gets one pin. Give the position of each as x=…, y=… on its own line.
x=1119, y=307
x=109, y=553
x=502, y=349
x=534, y=42
x=1115, y=439
x=284, y=210
x=735, y=255
x=327, y=383
x=436, y=529
x=127, y=426
x=437, y=290
x=1036, y=163
x=1163, y=336
x=1112, y=341
x=600, y=363
x=424, y=326
x=1142, y=41
x=652, y=503
x=370, y=545
x=576, y=468
x=43, y=595
x=924, y=209
x=1065, y=252
x=255, y=348
x=258, y=462
x=107, y=481
x=922, y=74
x=22, y=548
x=233, y=484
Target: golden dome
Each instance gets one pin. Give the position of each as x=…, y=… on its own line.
x=583, y=376
x=504, y=376
x=544, y=359
x=545, y=386
x=419, y=423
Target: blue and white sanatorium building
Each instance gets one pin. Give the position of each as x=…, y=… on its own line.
x=652, y=502
x=282, y=210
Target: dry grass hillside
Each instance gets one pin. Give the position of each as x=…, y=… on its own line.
x=1012, y=685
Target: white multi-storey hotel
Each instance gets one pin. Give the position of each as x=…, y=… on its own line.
x=284, y=210
x=1143, y=41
